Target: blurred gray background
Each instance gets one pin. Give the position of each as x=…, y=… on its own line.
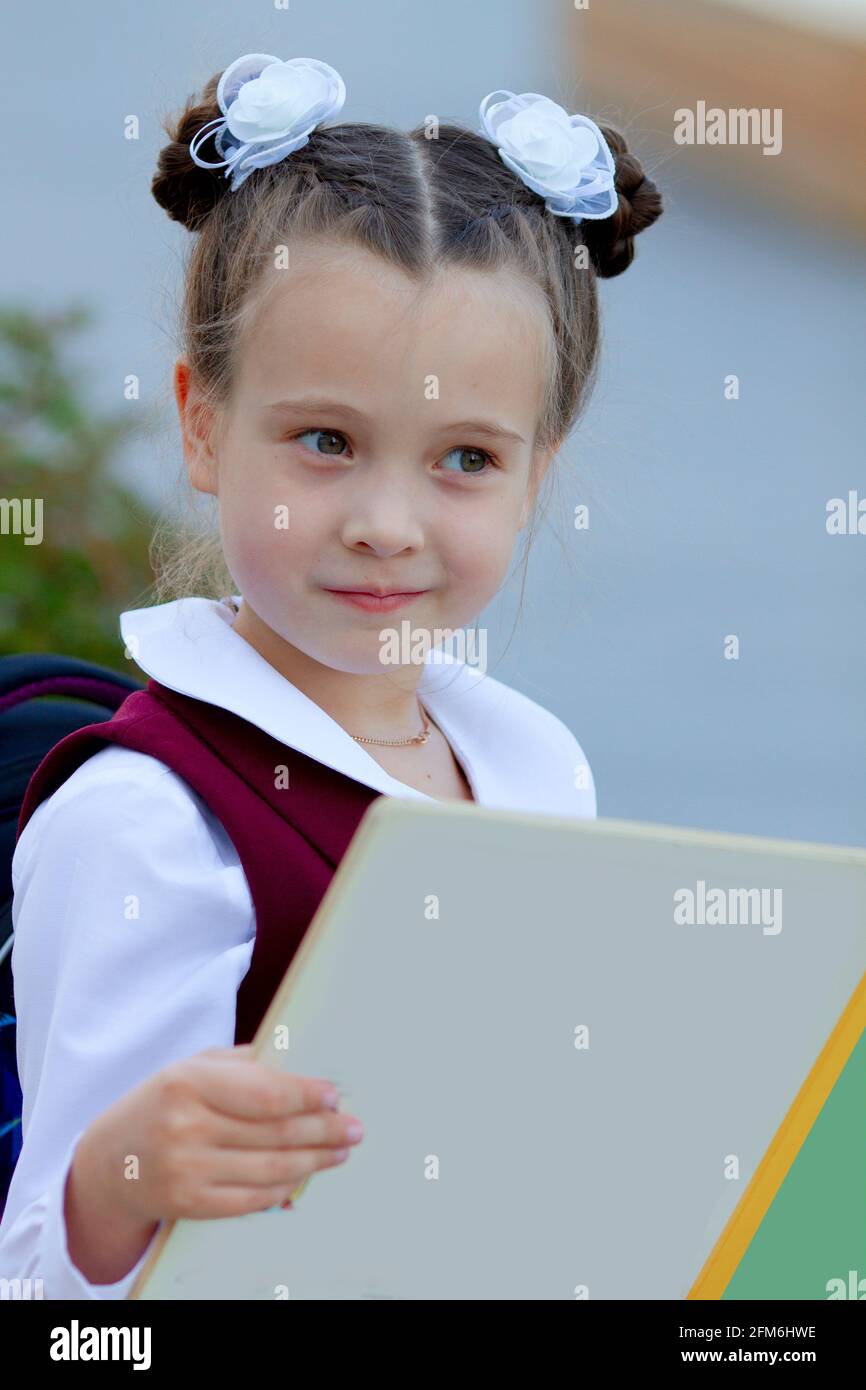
x=707, y=515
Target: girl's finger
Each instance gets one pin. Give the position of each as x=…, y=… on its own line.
x=223, y=1201
x=320, y=1128
x=274, y=1169
x=233, y=1087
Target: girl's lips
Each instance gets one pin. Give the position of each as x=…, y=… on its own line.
x=371, y=604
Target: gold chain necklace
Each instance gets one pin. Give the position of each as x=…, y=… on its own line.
x=398, y=742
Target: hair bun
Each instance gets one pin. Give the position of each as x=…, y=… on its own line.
x=180, y=186
x=610, y=240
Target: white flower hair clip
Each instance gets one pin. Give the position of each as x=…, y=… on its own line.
x=564, y=158
x=270, y=108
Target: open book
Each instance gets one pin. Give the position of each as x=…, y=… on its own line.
x=592, y=1059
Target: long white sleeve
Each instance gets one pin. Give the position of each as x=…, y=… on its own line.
x=134, y=928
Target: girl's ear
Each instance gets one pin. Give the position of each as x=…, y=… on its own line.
x=196, y=426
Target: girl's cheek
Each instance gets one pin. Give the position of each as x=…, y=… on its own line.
x=483, y=561
x=264, y=550
x=248, y=538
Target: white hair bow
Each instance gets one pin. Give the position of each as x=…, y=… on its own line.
x=269, y=110
x=564, y=158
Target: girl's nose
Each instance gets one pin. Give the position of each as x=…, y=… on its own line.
x=385, y=528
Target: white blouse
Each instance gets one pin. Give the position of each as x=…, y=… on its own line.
x=103, y=999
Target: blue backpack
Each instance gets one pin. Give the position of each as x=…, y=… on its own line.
x=29, y=727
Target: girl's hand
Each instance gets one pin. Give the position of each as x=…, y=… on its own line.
x=214, y=1135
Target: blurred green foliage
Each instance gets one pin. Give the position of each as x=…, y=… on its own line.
x=65, y=593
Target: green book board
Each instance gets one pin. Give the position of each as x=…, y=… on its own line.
x=812, y=1241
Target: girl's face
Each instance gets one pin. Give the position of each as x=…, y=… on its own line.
x=378, y=436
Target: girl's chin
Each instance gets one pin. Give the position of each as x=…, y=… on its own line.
x=371, y=656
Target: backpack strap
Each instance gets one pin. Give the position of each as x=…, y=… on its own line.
x=29, y=728
x=27, y=675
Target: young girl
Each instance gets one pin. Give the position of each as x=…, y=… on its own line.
x=387, y=338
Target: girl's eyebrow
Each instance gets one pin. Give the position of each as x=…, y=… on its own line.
x=302, y=403
x=323, y=403
x=490, y=428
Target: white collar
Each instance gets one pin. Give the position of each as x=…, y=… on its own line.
x=188, y=645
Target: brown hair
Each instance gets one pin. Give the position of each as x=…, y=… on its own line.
x=418, y=202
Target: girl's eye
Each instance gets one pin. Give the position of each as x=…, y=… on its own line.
x=331, y=439
x=331, y=443
x=477, y=459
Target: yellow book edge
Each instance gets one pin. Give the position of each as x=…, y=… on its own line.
x=787, y=1142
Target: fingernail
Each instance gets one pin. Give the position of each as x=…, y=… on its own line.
x=340, y=1154
x=329, y=1098
x=354, y=1130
